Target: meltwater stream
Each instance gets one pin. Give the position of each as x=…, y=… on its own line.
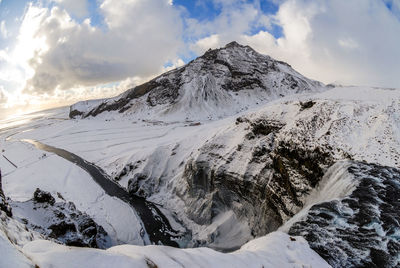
x=156, y=224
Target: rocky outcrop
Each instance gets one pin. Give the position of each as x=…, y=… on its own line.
x=362, y=229
x=262, y=165
x=262, y=180
x=40, y=196
x=60, y=221
x=4, y=206
x=74, y=113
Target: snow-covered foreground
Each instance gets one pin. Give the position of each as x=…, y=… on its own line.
x=36, y=169
x=362, y=123
x=274, y=250
x=49, y=172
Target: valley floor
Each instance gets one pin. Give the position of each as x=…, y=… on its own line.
x=160, y=150
x=110, y=144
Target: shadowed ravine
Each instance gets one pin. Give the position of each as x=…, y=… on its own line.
x=156, y=224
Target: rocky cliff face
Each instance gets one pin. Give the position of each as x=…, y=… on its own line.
x=362, y=229
x=263, y=180
x=4, y=206
x=219, y=83
x=60, y=221
x=262, y=166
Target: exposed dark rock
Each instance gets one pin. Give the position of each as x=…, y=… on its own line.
x=161, y=91
x=134, y=183
x=360, y=230
x=61, y=228
x=240, y=120
x=4, y=206
x=307, y=164
x=265, y=127
x=60, y=221
x=40, y=196
x=271, y=190
x=74, y=113
x=133, y=186
x=306, y=105
x=126, y=170
x=76, y=243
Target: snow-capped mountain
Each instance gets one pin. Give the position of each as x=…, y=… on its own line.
x=222, y=82
x=277, y=169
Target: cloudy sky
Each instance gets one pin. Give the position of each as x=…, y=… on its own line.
x=56, y=52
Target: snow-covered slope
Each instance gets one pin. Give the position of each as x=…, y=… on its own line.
x=222, y=82
x=276, y=250
x=255, y=171
x=60, y=221
x=212, y=175
x=36, y=169
x=286, y=152
x=280, y=152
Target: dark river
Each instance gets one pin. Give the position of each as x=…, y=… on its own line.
x=156, y=224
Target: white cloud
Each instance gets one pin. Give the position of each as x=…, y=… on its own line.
x=78, y=8
x=236, y=17
x=348, y=43
x=141, y=36
x=3, y=29
x=212, y=41
x=3, y=96
x=354, y=42
x=59, y=60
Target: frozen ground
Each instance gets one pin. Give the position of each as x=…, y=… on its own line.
x=275, y=250
x=361, y=121
x=38, y=169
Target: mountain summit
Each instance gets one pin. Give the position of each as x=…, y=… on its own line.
x=221, y=82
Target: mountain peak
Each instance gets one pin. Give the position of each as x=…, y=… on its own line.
x=233, y=44
x=232, y=54
x=229, y=45
x=222, y=82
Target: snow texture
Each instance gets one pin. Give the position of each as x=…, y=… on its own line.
x=275, y=250
x=60, y=221
x=231, y=146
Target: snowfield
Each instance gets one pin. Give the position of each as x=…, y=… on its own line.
x=362, y=123
x=37, y=169
x=275, y=250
